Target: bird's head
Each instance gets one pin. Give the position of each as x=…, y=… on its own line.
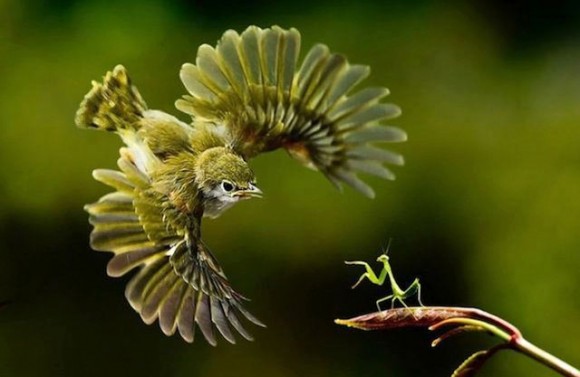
x=224, y=178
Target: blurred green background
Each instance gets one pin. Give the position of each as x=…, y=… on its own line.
x=486, y=211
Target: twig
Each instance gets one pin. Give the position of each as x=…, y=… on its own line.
x=461, y=320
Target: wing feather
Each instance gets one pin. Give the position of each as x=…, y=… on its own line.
x=347, y=80
x=169, y=311
x=220, y=320
x=235, y=322
x=310, y=72
x=371, y=167
x=269, y=57
x=250, y=56
x=196, y=84
x=288, y=56
x=356, y=103
x=375, y=154
x=230, y=62
x=207, y=61
x=122, y=263
x=375, y=134
x=186, y=314
x=203, y=317
x=266, y=103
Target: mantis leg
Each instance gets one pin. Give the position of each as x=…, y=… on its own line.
x=414, y=288
x=401, y=300
x=389, y=297
x=369, y=274
x=419, y=292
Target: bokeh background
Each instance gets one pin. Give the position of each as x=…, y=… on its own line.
x=486, y=211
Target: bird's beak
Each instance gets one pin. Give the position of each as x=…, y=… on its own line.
x=252, y=192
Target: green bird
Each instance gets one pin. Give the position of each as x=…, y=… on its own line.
x=246, y=96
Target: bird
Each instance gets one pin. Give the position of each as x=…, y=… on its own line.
x=246, y=96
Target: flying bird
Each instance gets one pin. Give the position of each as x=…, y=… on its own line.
x=246, y=96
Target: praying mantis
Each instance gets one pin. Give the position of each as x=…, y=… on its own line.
x=398, y=294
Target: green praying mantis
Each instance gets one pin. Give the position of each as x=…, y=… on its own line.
x=398, y=294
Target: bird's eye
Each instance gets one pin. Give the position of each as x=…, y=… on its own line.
x=227, y=186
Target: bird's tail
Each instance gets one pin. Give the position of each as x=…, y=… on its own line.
x=112, y=105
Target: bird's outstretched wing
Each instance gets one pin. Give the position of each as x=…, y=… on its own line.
x=179, y=281
x=250, y=84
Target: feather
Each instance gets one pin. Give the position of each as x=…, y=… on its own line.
x=289, y=59
x=194, y=82
x=109, y=239
x=114, y=203
x=333, y=67
x=113, y=105
x=186, y=315
x=372, y=113
x=346, y=81
x=170, y=308
x=352, y=180
x=114, y=217
x=136, y=286
x=220, y=320
x=251, y=55
x=249, y=315
x=235, y=322
x=114, y=179
x=371, y=153
x=203, y=318
x=310, y=71
x=135, y=175
x=371, y=167
x=122, y=263
x=355, y=102
x=269, y=61
x=376, y=134
x=230, y=61
x=158, y=287
x=207, y=63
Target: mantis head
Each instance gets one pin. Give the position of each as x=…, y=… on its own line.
x=384, y=258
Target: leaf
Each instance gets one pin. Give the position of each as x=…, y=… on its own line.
x=455, y=331
x=421, y=316
x=473, y=363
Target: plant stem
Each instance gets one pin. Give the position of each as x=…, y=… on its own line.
x=475, y=323
x=435, y=317
x=519, y=344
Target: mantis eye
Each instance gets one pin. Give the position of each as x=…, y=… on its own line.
x=227, y=186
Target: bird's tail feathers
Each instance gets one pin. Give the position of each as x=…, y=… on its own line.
x=113, y=105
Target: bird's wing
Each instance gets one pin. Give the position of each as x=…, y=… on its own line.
x=250, y=83
x=179, y=281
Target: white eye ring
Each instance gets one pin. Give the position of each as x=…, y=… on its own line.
x=227, y=186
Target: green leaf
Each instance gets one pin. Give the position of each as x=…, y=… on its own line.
x=473, y=364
